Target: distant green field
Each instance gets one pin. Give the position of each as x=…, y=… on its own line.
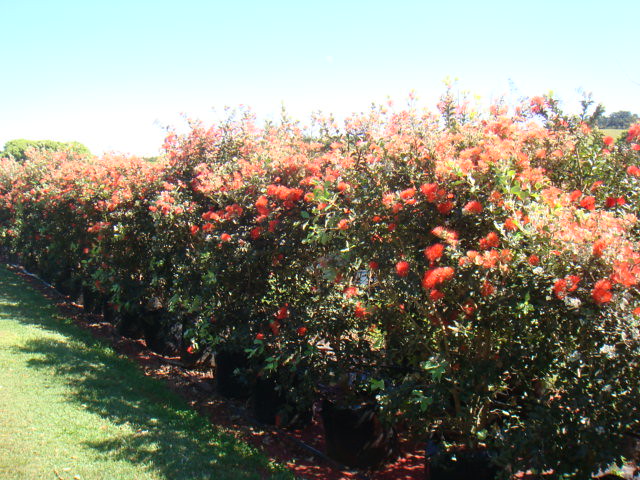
x=613, y=132
x=71, y=408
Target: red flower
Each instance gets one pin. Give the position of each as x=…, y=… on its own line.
x=445, y=208
x=608, y=141
x=343, y=187
x=510, y=225
x=534, y=260
x=624, y=273
x=537, y=104
x=194, y=229
x=430, y=190
x=408, y=193
x=360, y=311
x=611, y=202
x=225, y=237
x=350, y=291
x=634, y=132
x=633, y=171
x=449, y=236
x=572, y=282
x=190, y=349
x=495, y=197
x=487, y=289
x=636, y=311
x=343, y=224
x=274, y=325
x=469, y=307
x=434, y=277
x=434, y=252
x=260, y=336
x=255, y=233
x=262, y=205
x=490, y=241
x=588, y=203
x=302, y=331
x=472, y=207
x=560, y=288
x=435, y=295
x=282, y=313
x=575, y=195
x=373, y=265
x=402, y=268
x=599, y=247
x=602, y=292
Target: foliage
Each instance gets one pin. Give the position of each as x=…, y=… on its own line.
x=17, y=149
x=474, y=272
x=621, y=119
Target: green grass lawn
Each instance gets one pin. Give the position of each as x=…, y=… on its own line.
x=613, y=132
x=71, y=408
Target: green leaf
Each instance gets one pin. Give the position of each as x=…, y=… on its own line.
x=376, y=384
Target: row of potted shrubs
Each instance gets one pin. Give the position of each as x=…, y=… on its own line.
x=466, y=279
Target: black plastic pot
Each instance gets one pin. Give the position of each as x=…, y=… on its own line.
x=271, y=406
x=70, y=287
x=189, y=359
x=91, y=300
x=228, y=382
x=129, y=324
x=162, y=332
x=459, y=464
x=109, y=313
x=355, y=437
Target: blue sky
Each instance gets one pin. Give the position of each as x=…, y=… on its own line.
x=112, y=74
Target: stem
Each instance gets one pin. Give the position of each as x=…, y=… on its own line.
x=454, y=390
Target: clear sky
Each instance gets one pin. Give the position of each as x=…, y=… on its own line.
x=112, y=74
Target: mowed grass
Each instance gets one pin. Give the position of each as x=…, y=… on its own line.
x=613, y=132
x=71, y=408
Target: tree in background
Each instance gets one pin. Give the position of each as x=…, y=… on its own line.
x=621, y=119
x=17, y=149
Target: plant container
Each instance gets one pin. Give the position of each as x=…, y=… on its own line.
x=354, y=435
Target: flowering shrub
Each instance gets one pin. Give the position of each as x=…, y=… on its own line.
x=475, y=274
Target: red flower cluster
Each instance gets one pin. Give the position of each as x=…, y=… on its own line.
x=436, y=276
x=402, y=268
x=564, y=285
x=633, y=170
x=490, y=241
x=285, y=193
x=472, y=207
x=434, y=252
x=601, y=292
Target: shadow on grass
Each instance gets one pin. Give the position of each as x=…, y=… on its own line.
x=19, y=301
x=170, y=438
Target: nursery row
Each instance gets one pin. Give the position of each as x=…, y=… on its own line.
x=471, y=279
